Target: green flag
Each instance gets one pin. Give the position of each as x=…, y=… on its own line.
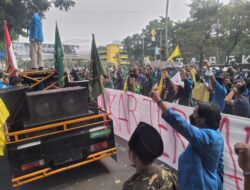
x=59, y=57
x=125, y=72
x=96, y=70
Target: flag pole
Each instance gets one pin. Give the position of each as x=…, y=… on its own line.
x=166, y=29
x=104, y=102
x=6, y=48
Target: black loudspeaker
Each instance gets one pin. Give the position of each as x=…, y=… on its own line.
x=57, y=104
x=5, y=173
x=83, y=83
x=14, y=99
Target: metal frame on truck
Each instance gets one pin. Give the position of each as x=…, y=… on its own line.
x=98, y=127
x=40, y=149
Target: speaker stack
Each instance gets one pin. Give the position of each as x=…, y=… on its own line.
x=15, y=101
x=82, y=83
x=56, y=105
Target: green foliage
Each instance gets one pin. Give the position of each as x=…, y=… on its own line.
x=2, y=45
x=234, y=26
x=64, y=4
x=133, y=45
x=17, y=13
x=212, y=30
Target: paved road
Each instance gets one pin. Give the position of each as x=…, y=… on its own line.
x=105, y=174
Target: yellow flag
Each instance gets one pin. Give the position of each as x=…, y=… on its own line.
x=125, y=85
x=193, y=75
x=163, y=75
x=2, y=141
x=200, y=92
x=4, y=114
x=175, y=53
x=160, y=85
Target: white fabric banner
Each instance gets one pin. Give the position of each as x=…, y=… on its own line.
x=176, y=79
x=128, y=109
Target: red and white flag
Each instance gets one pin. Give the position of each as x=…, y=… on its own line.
x=11, y=58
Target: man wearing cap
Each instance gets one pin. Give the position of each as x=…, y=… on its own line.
x=36, y=39
x=200, y=166
x=145, y=145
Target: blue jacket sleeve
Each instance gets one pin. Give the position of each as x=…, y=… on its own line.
x=220, y=88
x=36, y=27
x=194, y=135
x=188, y=82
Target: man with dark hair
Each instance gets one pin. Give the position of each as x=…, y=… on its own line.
x=219, y=87
x=201, y=164
x=145, y=145
x=16, y=81
x=237, y=98
x=5, y=82
x=133, y=85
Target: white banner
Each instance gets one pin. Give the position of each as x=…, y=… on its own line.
x=128, y=109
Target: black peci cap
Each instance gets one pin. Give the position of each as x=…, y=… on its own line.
x=146, y=142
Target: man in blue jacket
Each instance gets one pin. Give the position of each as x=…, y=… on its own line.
x=36, y=39
x=200, y=166
x=219, y=87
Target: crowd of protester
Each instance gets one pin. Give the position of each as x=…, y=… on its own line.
x=228, y=87
x=228, y=91
x=9, y=81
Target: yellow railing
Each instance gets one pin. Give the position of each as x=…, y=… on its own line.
x=64, y=127
x=18, y=181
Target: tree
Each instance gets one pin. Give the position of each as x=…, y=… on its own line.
x=202, y=23
x=17, y=13
x=234, y=28
x=213, y=29
x=134, y=44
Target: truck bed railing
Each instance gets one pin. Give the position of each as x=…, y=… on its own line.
x=14, y=137
x=48, y=171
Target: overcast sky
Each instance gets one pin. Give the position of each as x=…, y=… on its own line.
x=109, y=20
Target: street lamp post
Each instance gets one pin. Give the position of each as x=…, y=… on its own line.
x=166, y=29
x=143, y=48
x=217, y=33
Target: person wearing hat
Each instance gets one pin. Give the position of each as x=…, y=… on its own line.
x=36, y=39
x=145, y=145
x=200, y=166
x=238, y=99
